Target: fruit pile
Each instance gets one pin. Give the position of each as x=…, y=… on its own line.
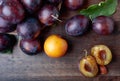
x=28, y=17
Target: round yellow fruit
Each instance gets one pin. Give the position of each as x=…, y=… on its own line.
x=55, y=46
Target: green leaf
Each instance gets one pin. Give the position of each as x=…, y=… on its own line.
x=7, y=51
x=106, y=8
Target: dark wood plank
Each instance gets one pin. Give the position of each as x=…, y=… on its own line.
x=21, y=67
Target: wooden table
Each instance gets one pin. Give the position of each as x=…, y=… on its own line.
x=21, y=67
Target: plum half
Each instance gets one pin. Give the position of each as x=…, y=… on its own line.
x=102, y=54
x=88, y=66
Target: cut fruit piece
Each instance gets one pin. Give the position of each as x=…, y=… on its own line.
x=88, y=66
x=102, y=54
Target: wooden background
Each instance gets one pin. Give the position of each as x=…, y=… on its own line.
x=21, y=67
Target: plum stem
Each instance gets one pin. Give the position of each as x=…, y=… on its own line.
x=13, y=33
x=56, y=17
x=85, y=52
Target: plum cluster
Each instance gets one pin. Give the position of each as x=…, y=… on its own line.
x=27, y=18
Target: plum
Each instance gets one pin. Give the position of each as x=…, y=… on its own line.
x=103, y=25
x=30, y=46
x=48, y=15
x=12, y=11
x=29, y=29
x=6, y=26
x=73, y=4
x=77, y=25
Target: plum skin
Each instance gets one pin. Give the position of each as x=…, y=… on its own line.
x=103, y=25
x=12, y=11
x=46, y=13
x=32, y=5
x=6, y=26
x=29, y=29
x=30, y=46
x=73, y=4
x=77, y=25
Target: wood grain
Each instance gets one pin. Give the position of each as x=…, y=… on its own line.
x=21, y=67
